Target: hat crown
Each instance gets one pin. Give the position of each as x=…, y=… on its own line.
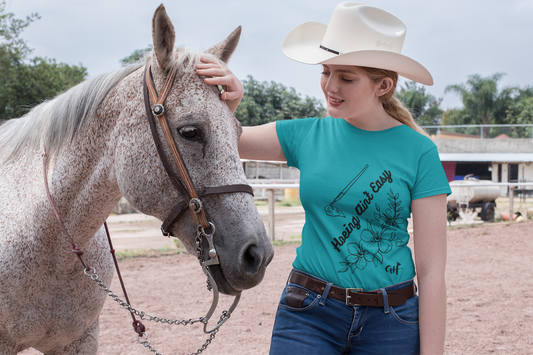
x=355, y=26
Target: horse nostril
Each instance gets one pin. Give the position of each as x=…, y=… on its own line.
x=252, y=260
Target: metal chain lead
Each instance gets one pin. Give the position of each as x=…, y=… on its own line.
x=140, y=314
x=208, y=341
x=144, y=316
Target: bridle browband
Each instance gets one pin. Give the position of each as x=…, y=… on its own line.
x=185, y=188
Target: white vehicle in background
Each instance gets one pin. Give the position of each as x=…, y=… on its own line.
x=471, y=196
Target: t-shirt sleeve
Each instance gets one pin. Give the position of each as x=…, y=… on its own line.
x=431, y=179
x=291, y=133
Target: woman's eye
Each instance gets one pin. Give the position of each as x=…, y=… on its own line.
x=325, y=73
x=347, y=80
x=190, y=132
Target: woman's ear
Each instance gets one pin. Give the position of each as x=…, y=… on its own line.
x=385, y=85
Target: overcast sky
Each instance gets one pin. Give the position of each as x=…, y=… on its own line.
x=453, y=38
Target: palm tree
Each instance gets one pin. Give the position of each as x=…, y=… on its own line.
x=483, y=102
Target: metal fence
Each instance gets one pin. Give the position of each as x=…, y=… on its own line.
x=483, y=131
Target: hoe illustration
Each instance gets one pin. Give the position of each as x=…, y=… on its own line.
x=333, y=211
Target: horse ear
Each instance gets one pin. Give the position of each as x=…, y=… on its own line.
x=164, y=37
x=225, y=49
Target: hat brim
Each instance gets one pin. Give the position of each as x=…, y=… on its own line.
x=302, y=44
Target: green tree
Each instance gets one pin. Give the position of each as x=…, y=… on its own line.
x=267, y=102
x=35, y=81
x=452, y=116
x=10, y=29
x=424, y=107
x=135, y=56
x=483, y=102
x=520, y=111
x=26, y=82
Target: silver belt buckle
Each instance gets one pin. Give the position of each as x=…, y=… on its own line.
x=348, y=290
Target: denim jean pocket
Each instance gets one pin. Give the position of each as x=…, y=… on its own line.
x=297, y=298
x=407, y=313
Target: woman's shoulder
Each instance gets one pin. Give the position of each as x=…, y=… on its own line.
x=411, y=137
x=304, y=123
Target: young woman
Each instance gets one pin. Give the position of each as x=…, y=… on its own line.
x=364, y=169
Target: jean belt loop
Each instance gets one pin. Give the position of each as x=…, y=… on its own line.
x=325, y=294
x=386, y=307
x=288, y=278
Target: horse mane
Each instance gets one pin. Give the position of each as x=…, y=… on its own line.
x=57, y=120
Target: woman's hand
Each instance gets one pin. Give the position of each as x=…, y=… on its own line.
x=218, y=74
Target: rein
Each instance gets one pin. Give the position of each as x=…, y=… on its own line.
x=205, y=228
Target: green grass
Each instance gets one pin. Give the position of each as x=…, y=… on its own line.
x=282, y=243
x=289, y=202
x=295, y=239
x=167, y=250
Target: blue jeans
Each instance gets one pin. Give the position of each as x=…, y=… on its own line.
x=326, y=326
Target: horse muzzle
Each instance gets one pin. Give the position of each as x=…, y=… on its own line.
x=244, y=269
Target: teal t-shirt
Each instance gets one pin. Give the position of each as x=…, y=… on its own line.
x=356, y=187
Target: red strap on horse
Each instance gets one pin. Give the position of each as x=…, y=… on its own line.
x=137, y=324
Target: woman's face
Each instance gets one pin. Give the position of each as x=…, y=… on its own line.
x=349, y=91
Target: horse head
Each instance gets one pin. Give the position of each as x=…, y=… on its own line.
x=206, y=135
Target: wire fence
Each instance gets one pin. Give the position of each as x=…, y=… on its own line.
x=482, y=131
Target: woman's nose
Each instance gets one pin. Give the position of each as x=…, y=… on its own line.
x=331, y=85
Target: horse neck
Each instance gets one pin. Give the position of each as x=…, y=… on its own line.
x=81, y=177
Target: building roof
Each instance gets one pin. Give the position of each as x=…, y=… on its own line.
x=487, y=157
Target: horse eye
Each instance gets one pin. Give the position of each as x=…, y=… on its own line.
x=190, y=132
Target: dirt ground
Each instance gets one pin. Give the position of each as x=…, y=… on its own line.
x=489, y=278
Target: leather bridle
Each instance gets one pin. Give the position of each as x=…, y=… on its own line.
x=186, y=188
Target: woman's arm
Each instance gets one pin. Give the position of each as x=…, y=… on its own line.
x=258, y=142
x=429, y=230
x=261, y=143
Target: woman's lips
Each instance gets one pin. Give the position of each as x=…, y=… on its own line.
x=335, y=102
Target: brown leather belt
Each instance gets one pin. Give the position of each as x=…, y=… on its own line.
x=355, y=296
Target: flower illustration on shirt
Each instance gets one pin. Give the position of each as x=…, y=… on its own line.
x=391, y=216
x=374, y=243
x=378, y=241
x=358, y=258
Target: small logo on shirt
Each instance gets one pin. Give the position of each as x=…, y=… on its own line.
x=393, y=269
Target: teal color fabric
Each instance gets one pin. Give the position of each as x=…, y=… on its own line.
x=356, y=187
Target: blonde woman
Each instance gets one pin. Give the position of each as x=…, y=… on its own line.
x=364, y=169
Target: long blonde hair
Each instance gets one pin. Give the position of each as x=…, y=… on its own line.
x=390, y=102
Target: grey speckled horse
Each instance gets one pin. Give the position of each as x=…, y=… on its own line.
x=100, y=148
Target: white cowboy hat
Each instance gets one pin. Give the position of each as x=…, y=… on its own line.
x=357, y=34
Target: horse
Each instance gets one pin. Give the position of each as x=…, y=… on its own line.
x=97, y=146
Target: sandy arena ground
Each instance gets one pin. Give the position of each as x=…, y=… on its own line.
x=489, y=279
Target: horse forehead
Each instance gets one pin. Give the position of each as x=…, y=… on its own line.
x=195, y=96
x=193, y=92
